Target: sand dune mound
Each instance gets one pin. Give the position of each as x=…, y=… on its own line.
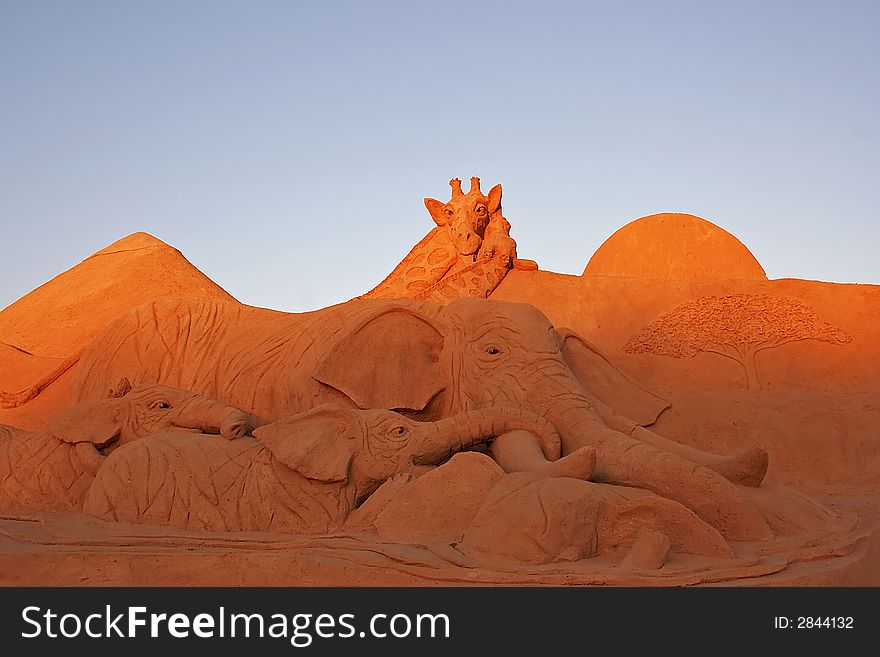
x=21, y=368
x=63, y=314
x=674, y=246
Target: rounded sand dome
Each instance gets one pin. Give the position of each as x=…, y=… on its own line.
x=674, y=246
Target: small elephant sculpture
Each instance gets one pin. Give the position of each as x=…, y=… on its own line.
x=534, y=517
x=52, y=469
x=529, y=519
x=302, y=474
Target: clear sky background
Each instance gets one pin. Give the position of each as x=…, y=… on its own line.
x=285, y=147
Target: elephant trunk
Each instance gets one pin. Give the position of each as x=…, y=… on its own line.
x=211, y=416
x=579, y=424
x=237, y=424
x=621, y=459
x=460, y=432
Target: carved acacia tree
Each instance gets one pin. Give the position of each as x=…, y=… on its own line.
x=736, y=326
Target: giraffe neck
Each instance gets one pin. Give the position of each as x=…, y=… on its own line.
x=478, y=279
x=423, y=267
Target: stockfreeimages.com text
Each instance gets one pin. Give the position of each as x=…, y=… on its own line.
x=300, y=629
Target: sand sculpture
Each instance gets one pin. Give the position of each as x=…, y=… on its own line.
x=468, y=253
x=53, y=469
x=437, y=361
x=303, y=473
x=422, y=433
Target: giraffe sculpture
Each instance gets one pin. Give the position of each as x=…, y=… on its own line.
x=467, y=254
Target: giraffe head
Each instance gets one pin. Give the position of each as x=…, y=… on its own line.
x=466, y=216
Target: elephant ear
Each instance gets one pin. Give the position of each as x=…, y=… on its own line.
x=603, y=380
x=94, y=422
x=391, y=361
x=319, y=444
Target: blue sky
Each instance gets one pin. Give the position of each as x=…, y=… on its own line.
x=285, y=147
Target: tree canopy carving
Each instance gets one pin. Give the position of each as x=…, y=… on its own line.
x=737, y=326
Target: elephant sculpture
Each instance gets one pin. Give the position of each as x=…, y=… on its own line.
x=527, y=517
x=428, y=361
x=52, y=469
x=302, y=474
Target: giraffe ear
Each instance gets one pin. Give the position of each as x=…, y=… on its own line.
x=437, y=210
x=495, y=199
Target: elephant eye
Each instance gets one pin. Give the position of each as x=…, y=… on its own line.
x=492, y=350
x=398, y=431
x=449, y=211
x=160, y=404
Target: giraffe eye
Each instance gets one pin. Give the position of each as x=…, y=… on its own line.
x=481, y=209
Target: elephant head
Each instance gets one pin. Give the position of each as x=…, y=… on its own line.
x=435, y=361
x=363, y=448
x=128, y=413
